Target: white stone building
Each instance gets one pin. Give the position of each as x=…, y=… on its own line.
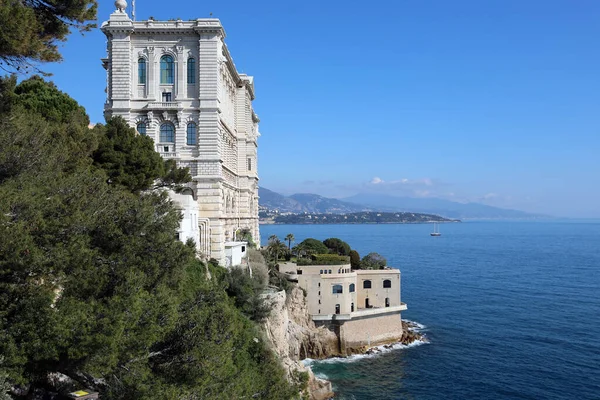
x=176, y=82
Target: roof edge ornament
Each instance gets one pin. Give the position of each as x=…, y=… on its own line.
x=121, y=5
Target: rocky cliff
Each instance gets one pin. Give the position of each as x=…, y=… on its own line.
x=294, y=337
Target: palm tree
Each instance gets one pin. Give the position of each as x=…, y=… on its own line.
x=276, y=248
x=273, y=239
x=290, y=238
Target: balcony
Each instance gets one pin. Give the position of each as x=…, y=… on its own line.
x=164, y=154
x=163, y=105
x=361, y=312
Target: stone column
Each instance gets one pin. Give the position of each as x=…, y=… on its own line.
x=180, y=82
x=151, y=78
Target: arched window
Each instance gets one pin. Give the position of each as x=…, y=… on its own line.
x=387, y=301
x=351, y=307
x=142, y=71
x=337, y=289
x=191, y=134
x=329, y=272
x=167, y=133
x=141, y=128
x=337, y=308
x=387, y=284
x=367, y=284
x=320, y=273
x=352, y=287
x=167, y=70
x=191, y=71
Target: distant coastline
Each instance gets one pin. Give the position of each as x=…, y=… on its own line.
x=367, y=217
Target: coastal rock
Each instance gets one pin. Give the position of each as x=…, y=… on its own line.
x=294, y=337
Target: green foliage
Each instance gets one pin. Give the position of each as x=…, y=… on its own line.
x=246, y=292
x=290, y=238
x=276, y=249
x=337, y=246
x=93, y=282
x=313, y=246
x=324, y=259
x=245, y=235
x=5, y=385
x=373, y=261
x=280, y=281
x=354, y=259
x=301, y=379
x=30, y=30
x=31, y=143
x=129, y=159
x=44, y=98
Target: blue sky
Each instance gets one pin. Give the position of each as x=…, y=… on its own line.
x=496, y=101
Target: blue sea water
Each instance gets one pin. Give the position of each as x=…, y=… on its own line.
x=511, y=309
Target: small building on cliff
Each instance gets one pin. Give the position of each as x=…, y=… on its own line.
x=363, y=307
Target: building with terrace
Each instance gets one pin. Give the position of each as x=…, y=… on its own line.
x=175, y=81
x=363, y=307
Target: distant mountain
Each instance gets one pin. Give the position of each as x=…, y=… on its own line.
x=275, y=201
x=305, y=202
x=445, y=208
x=313, y=203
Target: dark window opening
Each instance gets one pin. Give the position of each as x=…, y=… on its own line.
x=387, y=301
x=338, y=289
x=141, y=128
x=191, y=134
x=191, y=71
x=167, y=134
x=142, y=71
x=367, y=284
x=352, y=287
x=387, y=284
x=337, y=308
x=351, y=307
x=167, y=70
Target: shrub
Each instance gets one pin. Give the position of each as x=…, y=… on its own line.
x=354, y=259
x=260, y=270
x=373, y=261
x=313, y=246
x=246, y=291
x=337, y=246
x=324, y=259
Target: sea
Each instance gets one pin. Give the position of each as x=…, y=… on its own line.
x=511, y=310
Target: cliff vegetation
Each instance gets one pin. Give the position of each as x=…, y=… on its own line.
x=95, y=291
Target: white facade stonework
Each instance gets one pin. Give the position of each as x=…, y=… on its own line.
x=198, y=110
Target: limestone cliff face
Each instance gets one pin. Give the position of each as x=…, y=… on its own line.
x=294, y=337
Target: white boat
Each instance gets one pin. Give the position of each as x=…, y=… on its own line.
x=436, y=230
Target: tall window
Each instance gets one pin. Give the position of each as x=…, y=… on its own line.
x=141, y=128
x=367, y=284
x=191, y=134
x=249, y=164
x=142, y=71
x=387, y=284
x=167, y=133
x=337, y=289
x=191, y=72
x=167, y=70
x=352, y=287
